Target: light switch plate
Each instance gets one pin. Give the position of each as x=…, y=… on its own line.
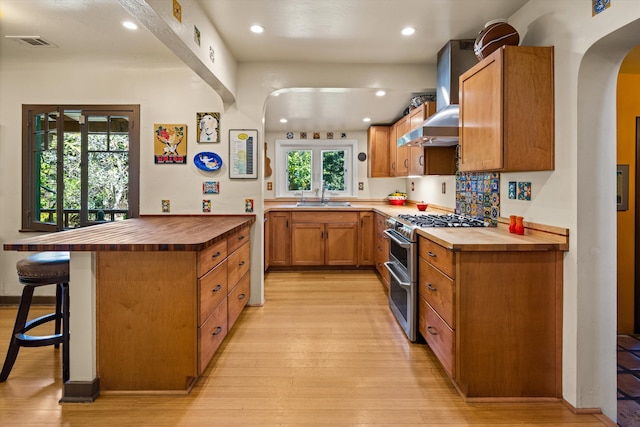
x=361, y=186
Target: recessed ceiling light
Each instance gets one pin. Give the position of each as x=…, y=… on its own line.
x=129, y=25
x=366, y=119
x=408, y=31
x=381, y=93
x=257, y=29
x=283, y=120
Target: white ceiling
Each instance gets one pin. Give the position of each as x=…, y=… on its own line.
x=337, y=31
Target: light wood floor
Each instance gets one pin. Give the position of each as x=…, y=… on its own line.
x=324, y=350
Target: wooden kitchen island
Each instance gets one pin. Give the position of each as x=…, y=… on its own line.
x=166, y=291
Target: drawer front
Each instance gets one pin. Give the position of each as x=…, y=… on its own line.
x=211, y=256
x=213, y=289
x=441, y=340
x=238, y=298
x=438, y=256
x=324, y=217
x=211, y=335
x=380, y=221
x=239, y=263
x=439, y=291
x=237, y=238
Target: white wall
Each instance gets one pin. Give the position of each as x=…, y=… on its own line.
x=374, y=188
x=166, y=94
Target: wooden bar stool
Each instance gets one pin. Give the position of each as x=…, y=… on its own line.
x=40, y=269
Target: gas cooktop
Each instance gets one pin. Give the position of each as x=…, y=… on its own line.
x=446, y=220
x=407, y=225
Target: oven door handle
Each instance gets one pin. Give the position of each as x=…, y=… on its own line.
x=403, y=244
x=402, y=284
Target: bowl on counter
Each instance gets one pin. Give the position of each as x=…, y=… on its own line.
x=422, y=206
x=397, y=200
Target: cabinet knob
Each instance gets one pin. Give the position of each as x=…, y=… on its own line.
x=216, y=255
x=242, y=296
x=241, y=263
x=241, y=237
x=432, y=330
x=431, y=254
x=216, y=289
x=217, y=331
x=431, y=288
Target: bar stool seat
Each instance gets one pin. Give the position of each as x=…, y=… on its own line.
x=41, y=269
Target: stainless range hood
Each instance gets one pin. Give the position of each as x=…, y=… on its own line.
x=441, y=129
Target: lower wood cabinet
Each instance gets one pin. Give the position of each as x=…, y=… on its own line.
x=317, y=238
x=493, y=319
x=161, y=315
x=381, y=247
x=327, y=239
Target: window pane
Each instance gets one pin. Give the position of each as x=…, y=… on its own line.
x=298, y=170
x=119, y=124
x=108, y=187
x=72, y=179
x=333, y=170
x=46, y=184
x=119, y=142
x=98, y=139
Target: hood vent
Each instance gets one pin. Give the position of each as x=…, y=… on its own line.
x=32, y=41
x=441, y=129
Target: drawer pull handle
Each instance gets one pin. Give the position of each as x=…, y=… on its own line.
x=218, y=330
x=432, y=330
x=241, y=263
x=431, y=288
x=216, y=255
x=216, y=289
x=242, y=296
x=241, y=237
x=431, y=254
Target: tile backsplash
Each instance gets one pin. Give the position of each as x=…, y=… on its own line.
x=478, y=195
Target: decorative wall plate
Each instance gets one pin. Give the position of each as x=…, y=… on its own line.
x=207, y=161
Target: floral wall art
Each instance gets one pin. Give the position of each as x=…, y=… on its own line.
x=170, y=145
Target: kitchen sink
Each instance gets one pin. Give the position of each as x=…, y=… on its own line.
x=318, y=204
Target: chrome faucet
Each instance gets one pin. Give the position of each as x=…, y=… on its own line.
x=322, y=198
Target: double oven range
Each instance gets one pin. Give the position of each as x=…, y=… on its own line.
x=402, y=232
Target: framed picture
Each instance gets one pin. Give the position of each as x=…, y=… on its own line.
x=169, y=143
x=243, y=153
x=622, y=187
x=208, y=127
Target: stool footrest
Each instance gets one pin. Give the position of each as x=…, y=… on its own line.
x=41, y=320
x=39, y=341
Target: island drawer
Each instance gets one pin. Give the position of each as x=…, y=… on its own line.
x=211, y=256
x=237, y=238
x=237, y=299
x=438, y=256
x=439, y=337
x=211, y=334
x=438, y=290
x=239, y=264
x=213, y=288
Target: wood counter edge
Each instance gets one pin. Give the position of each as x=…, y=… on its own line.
x=37, y=247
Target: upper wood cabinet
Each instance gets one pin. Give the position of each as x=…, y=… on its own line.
x=402, y=152
x=507, y=111
x=378, y=149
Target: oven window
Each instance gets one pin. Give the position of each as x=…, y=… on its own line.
x=399, y=253
x=399, y=297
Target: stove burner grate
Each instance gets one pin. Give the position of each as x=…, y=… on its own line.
x=446, y=220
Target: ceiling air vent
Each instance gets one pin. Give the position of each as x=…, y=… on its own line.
x=33, y=41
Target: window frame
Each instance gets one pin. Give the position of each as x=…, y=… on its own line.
x=350, y=147
x=28, y=222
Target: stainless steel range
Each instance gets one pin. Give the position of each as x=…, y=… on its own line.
x=403, y=261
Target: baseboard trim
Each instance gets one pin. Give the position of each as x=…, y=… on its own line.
x=37, y=300
x=80, y=391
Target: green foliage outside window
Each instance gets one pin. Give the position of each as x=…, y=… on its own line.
x=299, y=170
x=333, y=168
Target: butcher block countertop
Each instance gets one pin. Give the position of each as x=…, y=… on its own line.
x=147, y=233
x=537, y=237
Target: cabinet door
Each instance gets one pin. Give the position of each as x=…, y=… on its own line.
x=280, y=239
x=267, y=241
x=307, y=243
x=481, y=110
x=416, y=161
x=341, y=244
x=440, y=160
x=393, y=148
x=378, y=148
x=402, y=152
x=366, y=239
